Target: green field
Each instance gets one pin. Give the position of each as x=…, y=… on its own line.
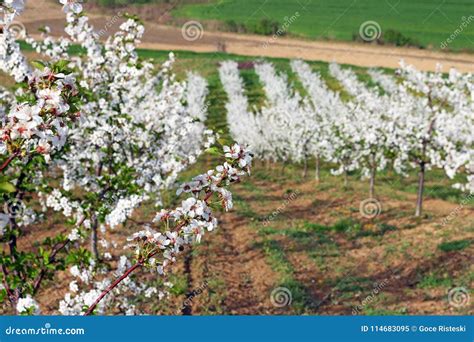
x=430, y=22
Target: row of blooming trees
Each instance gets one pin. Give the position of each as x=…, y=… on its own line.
x=93, y=137
x=413, y=120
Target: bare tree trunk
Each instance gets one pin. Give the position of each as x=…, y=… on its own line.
x=318, y=170
x=372, y=185
x=373, y=170
x=305, y=167
x=421, y=188
x=94, y=238
x=346, y=180
x=12, y=244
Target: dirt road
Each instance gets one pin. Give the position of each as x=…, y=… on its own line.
x=163, y=37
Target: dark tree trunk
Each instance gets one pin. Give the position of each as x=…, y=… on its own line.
x=421, y=188
x=305, y=167
x=373, y=171
x=94, y=238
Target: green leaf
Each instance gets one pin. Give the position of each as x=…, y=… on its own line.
x=213, y=151
x=38, y=64
x=60, y=66
x=7, y=187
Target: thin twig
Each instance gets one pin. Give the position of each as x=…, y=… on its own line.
x=9, y=160
x=56, y=249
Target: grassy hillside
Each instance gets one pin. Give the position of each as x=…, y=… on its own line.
x=430, y=22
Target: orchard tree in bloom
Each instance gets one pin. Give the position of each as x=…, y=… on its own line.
x=12, y=60
x=35, y=123
x=370, y=125
x=134, y=140
x=327, y=105
x=291, y=122
x=433, y=122
x=244, y=124
x=417, y=120
x=283, y=129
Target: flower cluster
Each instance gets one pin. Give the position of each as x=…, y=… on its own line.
x=190, y=221
x=12, y=60
x=27, y=306
x=41, y=123
x=9, y=9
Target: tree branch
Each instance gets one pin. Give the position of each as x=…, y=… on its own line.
x=9, y=160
